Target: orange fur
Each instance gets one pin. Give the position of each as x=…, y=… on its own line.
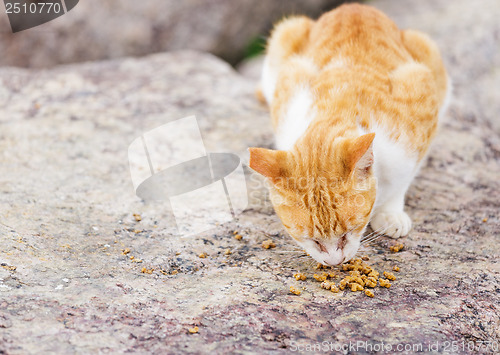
x=363, y=72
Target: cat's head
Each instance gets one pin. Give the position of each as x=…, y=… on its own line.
x=323, y=195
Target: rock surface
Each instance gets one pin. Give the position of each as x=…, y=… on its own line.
x=67, y=230
x=96, y=29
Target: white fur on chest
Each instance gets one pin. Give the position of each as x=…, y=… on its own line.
x=393, y=165
x=299, y=115
x=268, y=81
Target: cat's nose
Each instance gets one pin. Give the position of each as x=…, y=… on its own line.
x=334, y=258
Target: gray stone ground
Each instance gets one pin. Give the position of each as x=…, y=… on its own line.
x=67, y=205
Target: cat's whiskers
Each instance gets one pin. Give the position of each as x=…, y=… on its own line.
x=376, y=234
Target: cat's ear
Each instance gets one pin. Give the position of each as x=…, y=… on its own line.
x=270, y=163
x=359, y=154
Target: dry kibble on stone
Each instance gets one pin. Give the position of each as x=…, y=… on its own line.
x=320, y=278
x=355, y=275
x=238, y=236
x=384, y=283
x=202, y=255
x=193, y=330
x=356, y=287
x=389, y=276
x=320, y=266
x=395, y=268
x=396, y=248
x=360, y=281
x=366, y=270
x=326, y=285
x=370, y=283
x=267, y=244
x=356, y=261
x=300, y=276
x=294, y=291
x=137, y=217
x=8, y=267
x=347, y=267
x=228, y=252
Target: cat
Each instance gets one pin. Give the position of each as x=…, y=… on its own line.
x=354, y=103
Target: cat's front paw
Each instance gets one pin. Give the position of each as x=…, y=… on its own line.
x=392, y=224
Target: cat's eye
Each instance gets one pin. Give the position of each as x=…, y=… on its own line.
x=320, y=246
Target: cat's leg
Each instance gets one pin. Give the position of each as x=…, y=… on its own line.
x=395, y=171
x=287, y=39
x=390, y=218
x=397, y=159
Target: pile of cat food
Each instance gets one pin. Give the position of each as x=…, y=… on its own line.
x=355, y=275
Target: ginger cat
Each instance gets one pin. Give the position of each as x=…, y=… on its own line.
x=355, y=104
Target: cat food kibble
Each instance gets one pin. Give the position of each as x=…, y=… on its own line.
x=320, y=278
x=202, y=255
x=357, y=276
x=384, y=283
x=369, y=293
x=238, y=236
x=326, y=285
x=193, y=330
x=268, y=244
x=300, y=276
x=370, y=282
x=294, y=290
x=356, y=287
x=389, y=276
x=320, y=266
x=396, y=248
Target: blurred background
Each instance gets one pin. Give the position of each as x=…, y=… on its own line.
x=102, y=29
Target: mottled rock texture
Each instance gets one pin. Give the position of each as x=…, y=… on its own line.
x=68, y=283
x=101, y=29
